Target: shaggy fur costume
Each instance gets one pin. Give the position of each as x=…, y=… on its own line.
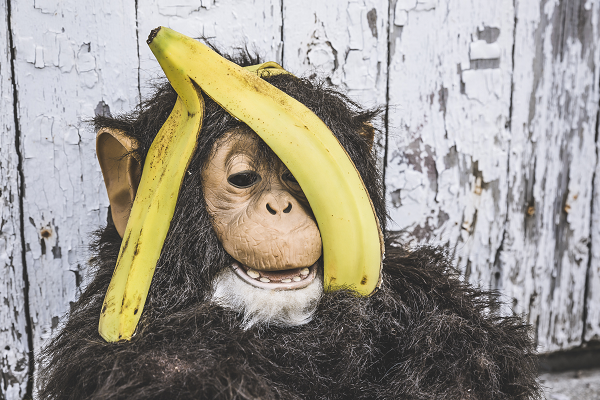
x=423, y=335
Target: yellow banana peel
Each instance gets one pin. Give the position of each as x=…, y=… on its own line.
x=149, y=221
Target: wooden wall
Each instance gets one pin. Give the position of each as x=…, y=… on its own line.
x=489, y=143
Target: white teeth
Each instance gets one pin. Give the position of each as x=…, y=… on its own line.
x=253, y=274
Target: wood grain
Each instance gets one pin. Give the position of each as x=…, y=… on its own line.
x=14, y=357
x=545, y=253
x=497, y=160
x=449, y=138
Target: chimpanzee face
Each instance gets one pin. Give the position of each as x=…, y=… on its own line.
x=263, y=220
x=260, y=215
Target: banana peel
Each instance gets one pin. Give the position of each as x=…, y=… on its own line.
x=149, y=221
x=352, y=238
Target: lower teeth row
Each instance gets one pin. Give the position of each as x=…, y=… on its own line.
x=255, y=275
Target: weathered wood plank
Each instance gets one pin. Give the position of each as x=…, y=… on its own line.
x=505, y=181
x=73, y=59
x=592, y=323
x=14, y=358
x=545, y=252
x=592, y=311
x=230, y=24
x=591, y=328
x=344, y=42
x=449, y=98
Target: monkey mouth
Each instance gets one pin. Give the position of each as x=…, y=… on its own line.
x=287, y=279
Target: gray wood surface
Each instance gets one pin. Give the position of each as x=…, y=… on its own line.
x=492, y=149
x=14, y=347
x=544, y=259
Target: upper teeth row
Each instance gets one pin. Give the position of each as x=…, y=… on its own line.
x=256, y=275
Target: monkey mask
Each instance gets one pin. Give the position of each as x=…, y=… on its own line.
x=313, y=163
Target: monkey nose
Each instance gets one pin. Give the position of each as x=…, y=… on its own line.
x=275, y=208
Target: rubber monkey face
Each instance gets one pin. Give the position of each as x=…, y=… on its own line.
x=259, y=211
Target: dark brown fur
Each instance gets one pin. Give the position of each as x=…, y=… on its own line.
x=424, y=335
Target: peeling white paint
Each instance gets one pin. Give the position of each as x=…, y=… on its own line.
x=447, y=154
x=405, y=5
x=482, y=50
x=401, y=17
x=479, y=162
x=14, y=359
x=483, y=85
x=229, y=23
x=555, y=104
x=426, y=5
x=342, y=41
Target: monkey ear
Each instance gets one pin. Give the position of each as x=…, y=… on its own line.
x=122, y=171
x=368, y=133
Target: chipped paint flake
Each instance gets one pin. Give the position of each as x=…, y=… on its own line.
x=482, y=50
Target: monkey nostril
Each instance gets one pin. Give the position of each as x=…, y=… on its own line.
x=271, y=210
x=288, y=208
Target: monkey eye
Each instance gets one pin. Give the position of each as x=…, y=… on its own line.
x=244, y=179
x=289, y=177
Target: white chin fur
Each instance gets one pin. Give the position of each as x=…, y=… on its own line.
x=266, y=307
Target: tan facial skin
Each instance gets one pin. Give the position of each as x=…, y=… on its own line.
x=265, y=222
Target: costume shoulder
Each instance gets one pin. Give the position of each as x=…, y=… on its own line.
x=423, y=335
x=451, y=342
